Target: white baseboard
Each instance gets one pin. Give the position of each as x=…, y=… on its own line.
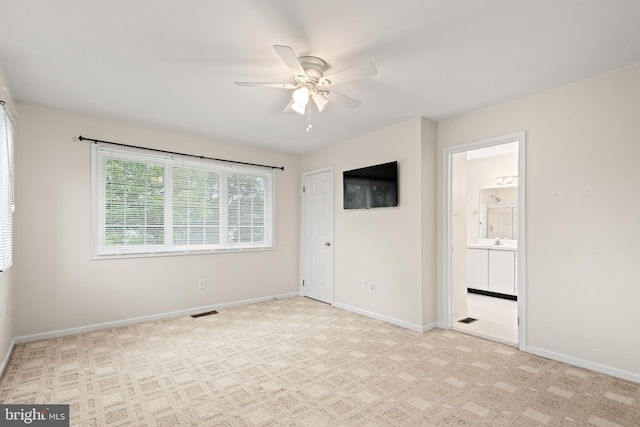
x=592, y=366
x=430, y=327
x=132, y=321
x=408, y=325
x=5, y=362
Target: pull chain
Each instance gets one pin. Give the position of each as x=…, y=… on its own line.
x=309, y=126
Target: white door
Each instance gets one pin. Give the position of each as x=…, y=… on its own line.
x=318, y=236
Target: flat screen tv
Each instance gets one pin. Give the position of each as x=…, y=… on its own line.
x=371, y=187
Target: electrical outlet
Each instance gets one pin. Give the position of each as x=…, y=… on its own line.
x=363, y=284
x=202, y=283
x=372, y=286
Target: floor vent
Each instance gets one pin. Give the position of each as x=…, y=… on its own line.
x=468, y=320
x=207, y=313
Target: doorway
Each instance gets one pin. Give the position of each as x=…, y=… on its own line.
x=484, y=238
x=317, y=235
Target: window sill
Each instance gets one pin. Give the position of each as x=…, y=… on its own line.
x=182, y=253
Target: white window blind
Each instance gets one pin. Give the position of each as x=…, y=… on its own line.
x=6, y=190
x=196, y=204
x=145, y=203
x=246, y=208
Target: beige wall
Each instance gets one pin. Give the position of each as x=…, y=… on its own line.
x=383, y=245
x=59, y=287
x=7, y=312
x=429, y=230
x=583, y=258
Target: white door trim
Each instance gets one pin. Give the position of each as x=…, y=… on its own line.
x=447, y=154
x=302, y=217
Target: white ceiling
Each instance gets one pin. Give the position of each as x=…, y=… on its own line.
x=173, y=64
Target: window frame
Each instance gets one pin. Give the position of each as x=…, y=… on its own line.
x=99, y=250
x=7, y=207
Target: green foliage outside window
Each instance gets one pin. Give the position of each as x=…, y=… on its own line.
x=196, y=207
x=246, y=208
x=134, y=203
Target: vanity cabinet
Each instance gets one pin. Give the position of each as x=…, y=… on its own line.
x=492, y=270
x=502, y=272
x=478, y=269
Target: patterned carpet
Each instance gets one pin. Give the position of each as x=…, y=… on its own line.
x=300, y=362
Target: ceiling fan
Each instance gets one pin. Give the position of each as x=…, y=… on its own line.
x=312, y=84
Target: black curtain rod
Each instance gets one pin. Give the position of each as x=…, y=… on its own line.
x=95, y=141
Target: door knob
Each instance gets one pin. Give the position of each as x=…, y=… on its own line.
x=327, y=243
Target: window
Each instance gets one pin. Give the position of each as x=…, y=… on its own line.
x=145, y=203
x=6, y=190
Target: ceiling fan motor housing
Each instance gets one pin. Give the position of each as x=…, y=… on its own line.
x=314, y=67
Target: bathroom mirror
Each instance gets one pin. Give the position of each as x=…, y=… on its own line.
x=499, y=210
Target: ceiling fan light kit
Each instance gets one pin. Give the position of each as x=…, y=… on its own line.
x=300, y=99
x=320, y=100
x=312, y=84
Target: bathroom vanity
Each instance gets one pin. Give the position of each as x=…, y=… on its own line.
x=491, y=268
x=491, y=259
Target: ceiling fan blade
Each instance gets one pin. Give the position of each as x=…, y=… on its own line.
x=343, y=100
x=364, y=70
x=258, y=84
x=289, y=57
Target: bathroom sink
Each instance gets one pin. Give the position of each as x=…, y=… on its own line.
x=509, y=245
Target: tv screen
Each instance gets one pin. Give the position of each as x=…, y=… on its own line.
x=371, y=187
